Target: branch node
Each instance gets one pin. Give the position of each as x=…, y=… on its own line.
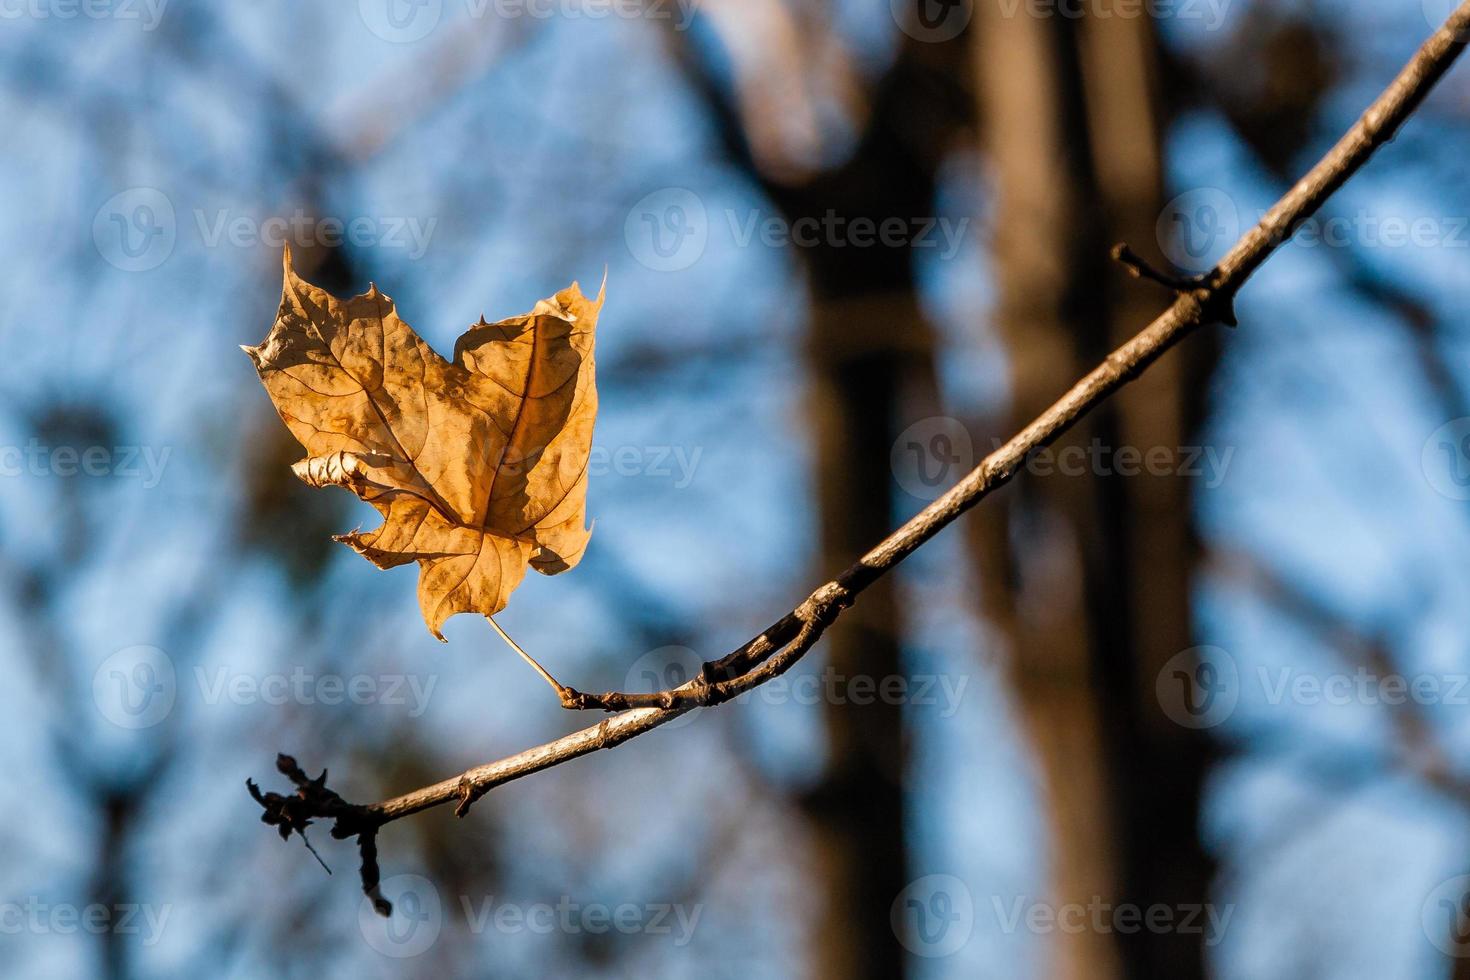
x=574, y=699
x=468, y=795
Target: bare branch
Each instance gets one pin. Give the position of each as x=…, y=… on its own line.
x=1205, y=300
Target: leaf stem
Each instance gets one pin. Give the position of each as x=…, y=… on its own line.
x=561, y=690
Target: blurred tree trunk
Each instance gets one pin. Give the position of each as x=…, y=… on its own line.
x=1088, y=575
x=870, y=354
x=856, y=809
x=869, y=351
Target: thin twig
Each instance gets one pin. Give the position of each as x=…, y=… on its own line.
x=1140, y=268
x=784, y=643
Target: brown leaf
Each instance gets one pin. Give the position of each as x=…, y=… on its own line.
x=478, y=466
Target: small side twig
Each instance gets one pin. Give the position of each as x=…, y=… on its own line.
x=1219, y=304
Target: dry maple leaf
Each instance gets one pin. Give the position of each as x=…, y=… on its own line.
x=478, y=466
